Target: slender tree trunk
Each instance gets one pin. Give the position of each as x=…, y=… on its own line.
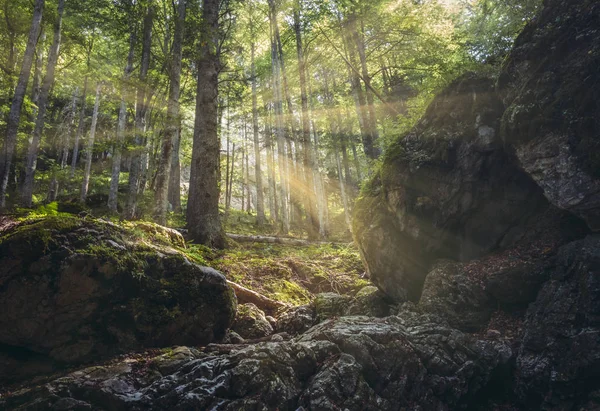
x=345, y=161
x=290, y=132
x=372, y=123
x=32, y=153
x=14, y=115
x=227, y=164
x=247, y=174
x=172, y=121
x=260, y=202
x=121, y=125
x=204, y=222
x=175, y=175
x=358, y=94
x=229, y=177
x=356, y=161
x=279, y=129
x=89, y=151
x=136, y=170
x=342, y=189
x=320, y=189
x=67, y=140
x=36, y=86
x=308, y=161
x=80, y=127
x=273, y=208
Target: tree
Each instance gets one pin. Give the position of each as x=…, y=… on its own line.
x=89, y=149
x=141, y=107
x=34, y=147
x=14, y=115
x=203, y=219
x=172, y=121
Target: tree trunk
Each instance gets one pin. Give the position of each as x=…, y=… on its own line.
x=372, y=123
x=260, y=202
x=342, y=188
x=358, y=94
x=227, y=164
x=247, y=174
x=32, y=153
x=136, y=169
x=89, y=151
x=308, y=161
x=356, y=161
x=203, y=218
x=172, y=121
x=230, y=180
x=14, y=115
x=279, y=129
x=292, y=164
x=36, y=86
x=80, y=127
x=121, y=125
x=273, y=208
x=175, y=174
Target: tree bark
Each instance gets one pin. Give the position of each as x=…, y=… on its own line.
x=80, y=127
x=136, y=169
x=273, y=208
x=172, y=121
x=14, y=115
x=175, y=174
x=32, y=153
x=89, y=151
x=278, y=109
x=260, y=202
x=308, y=161
x=204, y=221
x=372, y=122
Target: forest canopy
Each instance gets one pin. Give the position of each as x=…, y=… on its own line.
x=181, y=111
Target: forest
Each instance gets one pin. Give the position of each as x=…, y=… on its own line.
x=180, y=111
x=300, y=205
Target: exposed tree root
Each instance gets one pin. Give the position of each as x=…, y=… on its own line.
x=245, y=295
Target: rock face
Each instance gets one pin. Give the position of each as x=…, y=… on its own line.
x=353, y=363
x=449, y=189
x=73, y=291
x=559, y=361
x=551, y=87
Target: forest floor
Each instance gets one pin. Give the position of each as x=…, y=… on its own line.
x=292, y=274
x=288, y=273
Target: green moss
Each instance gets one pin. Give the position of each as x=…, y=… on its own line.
x=289, y=292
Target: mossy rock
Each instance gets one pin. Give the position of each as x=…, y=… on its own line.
x=250, y=322
x=76, y=290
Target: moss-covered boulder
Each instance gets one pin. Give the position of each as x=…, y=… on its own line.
x=448, y=189
x=76, y=290
x=251, y=323
x=551, y=86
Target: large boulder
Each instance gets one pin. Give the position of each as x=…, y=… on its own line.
x=77, y=290
x=558, y=366
x=353, y=363
x=551, y=86
x=448, y=189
